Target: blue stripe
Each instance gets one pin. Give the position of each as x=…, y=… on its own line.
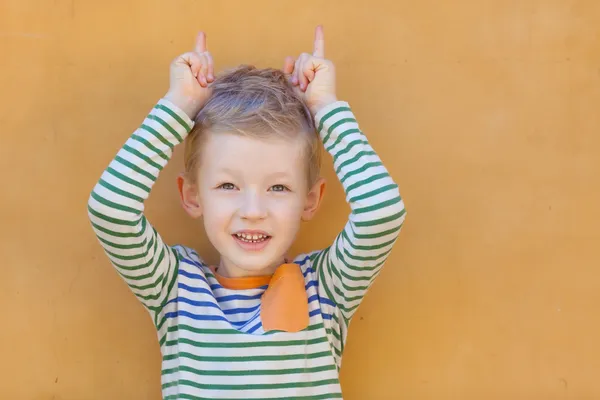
x=176, y=314
x=254, y=328
x=191, y=262
x=194, y=289
x=310, y=284
x=197, y=303
x=191, y=275
x=213, y=305
x=233, y=297
x=241, y=310
x=303, y=261
x=314, y=312
x=322, y=300
x=247, y=322
x=181, y=313
x=194, y=302
x=217, y=286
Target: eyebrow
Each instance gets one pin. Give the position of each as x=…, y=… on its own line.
x=227, y=171
x=274, y=175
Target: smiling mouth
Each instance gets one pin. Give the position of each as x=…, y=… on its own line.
x=251, y=238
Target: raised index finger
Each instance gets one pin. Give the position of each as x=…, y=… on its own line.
x=319, y=49
x=201, y=43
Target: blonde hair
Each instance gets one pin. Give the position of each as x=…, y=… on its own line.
x=258, y=103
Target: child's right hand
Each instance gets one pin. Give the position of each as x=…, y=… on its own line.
x=190, y=76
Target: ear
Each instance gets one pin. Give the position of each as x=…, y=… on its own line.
x=188, y=194
x=313, y=199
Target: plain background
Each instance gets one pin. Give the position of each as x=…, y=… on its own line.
x=485, y=112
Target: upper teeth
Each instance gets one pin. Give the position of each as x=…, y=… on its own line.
x=251, y=236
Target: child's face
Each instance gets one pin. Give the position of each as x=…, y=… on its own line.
x=253, y=195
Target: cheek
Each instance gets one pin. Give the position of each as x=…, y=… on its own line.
x=217, y=211
x=287, y=212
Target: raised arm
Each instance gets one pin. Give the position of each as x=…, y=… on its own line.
x=347, y=268
x=116, y=204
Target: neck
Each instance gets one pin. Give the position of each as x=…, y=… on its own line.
x=230, y=270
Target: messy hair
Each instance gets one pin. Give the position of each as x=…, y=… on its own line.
x=258, y=103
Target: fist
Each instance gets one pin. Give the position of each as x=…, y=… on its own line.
x=313, y=76
x=190, y=75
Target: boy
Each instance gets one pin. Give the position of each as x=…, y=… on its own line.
x=257, y=326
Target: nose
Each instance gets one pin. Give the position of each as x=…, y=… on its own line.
x=253, y=206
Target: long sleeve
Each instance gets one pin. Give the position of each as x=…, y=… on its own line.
x=348, y=267
x=116, y=206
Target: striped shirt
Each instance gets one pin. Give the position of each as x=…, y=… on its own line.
x=211, y=338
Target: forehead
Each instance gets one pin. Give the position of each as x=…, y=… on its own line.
x=234, y=151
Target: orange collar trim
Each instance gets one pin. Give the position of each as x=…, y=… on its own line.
x=246, y=282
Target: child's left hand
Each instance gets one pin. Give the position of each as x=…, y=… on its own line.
x=313, y=76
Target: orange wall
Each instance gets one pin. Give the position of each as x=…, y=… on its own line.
x=486, y=112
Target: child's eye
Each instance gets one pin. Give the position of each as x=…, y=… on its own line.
x=226, y=186
x=279, y=188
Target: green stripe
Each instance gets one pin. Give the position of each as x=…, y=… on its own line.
x=128, y=180
x=135, y=168
x=339, y=272
x=113, y=233
x=284, y=357
x=174, y=274
x=350, y=145
x=331, y=113
x=398, y=216
x=370, y=248
x=361, y=170
x=360, y=278
x=339, y=292
x=365, y=258
x=139, y=266
x=245, y=345
x=121, y=192
x=123, y=246
x=165, y=276
x=111, y=204
x=150, y=146
x=174, y=116
x=377, y=206
x=341, y=137
x=366, y=181
x=335, y=125
x=354, y=159
x=253, y=386
x=376, y=235
x=131, y=256
x=327, y=282
x=168, y=127
x=333, y=333
x=142, y=157
x=265, y=372
x=214, y=331
x=129, y=278
x=321, y=265
x=111, y=219
x=361, y=268
x=153, y=273
x=373, y=193
x=325, y=396
x=364, y=278
x=157, y=135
